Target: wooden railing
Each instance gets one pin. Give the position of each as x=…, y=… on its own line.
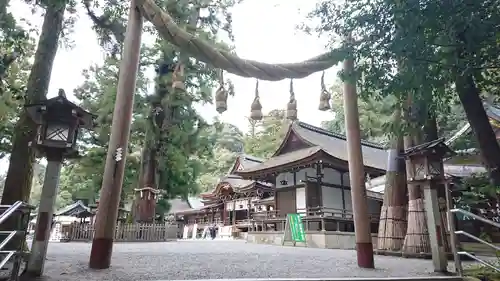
x=324, y=212
x=243, y=222
x=313, y=212
x=265, y=215
x=124, y=232
x=203, y=221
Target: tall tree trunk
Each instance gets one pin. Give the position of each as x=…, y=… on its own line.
x=417, y=234
x=469, y=95
x=480, y=124
x=147, y=178
x=19, y=175
x=393, y=220
x=20, y=172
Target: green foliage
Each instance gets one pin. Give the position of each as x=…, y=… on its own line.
x=182, y=141
x=82, y=178
x=226, y=141
x=174, y=135
x=375, y=118
x=266, y=135
x=16, y=51
x=180, y=138
x=404, y=47
x=479, y=193
x=483, y=272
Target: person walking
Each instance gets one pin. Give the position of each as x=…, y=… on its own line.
x=212, y=231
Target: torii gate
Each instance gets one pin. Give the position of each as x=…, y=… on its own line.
x=102, y=244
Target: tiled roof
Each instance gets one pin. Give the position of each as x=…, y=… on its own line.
x=195, y=202
x=438, y=145
x=374, y=155
x=237, y=182
x=378, y=184
x=178, y=204
x=286, y=158
x=333, y=144
x=492, y=111
x=73, y=209
x=245, y=161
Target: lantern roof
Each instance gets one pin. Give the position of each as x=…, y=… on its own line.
x=60, y=105
x=436, y=147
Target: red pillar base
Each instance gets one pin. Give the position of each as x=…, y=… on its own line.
x=365, y=255
x=100, y=255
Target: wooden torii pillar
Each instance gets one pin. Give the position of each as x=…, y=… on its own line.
x=102, y=244
x=105, y=225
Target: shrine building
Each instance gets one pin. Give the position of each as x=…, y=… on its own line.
x=311, y=177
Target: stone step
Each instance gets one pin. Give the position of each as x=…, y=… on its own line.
x=423, y=278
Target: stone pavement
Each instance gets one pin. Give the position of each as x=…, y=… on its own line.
x=219, y=260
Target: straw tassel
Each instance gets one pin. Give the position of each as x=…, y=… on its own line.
x=324, y=98
x=256, y=108
x=221, y=95
x=178, y=78
x=291, y=108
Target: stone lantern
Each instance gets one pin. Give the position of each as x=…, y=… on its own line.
x=427, y=160
x=58, y=122
x=428, y=174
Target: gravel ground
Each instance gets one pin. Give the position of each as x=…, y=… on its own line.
x=219, y=259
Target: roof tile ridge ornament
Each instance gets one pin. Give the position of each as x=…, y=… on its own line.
x=336, y=135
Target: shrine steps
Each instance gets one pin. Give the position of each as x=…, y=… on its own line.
x=424, y=278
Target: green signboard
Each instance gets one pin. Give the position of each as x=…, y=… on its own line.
x=296, y=228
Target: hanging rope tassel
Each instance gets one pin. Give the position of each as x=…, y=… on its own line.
x=221, y=95
x=256, y=108
x=291, y=108
x=178, y=78
x=324, y=98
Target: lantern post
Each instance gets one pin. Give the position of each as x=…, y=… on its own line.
x=58, y=122
x=427, y=159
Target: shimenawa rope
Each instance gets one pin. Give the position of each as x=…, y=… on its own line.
x=230, y=62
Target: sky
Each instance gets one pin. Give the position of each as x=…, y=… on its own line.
x=264, y=31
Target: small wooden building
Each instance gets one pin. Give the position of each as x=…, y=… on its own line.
x=78, y=210
x=233, y=201
x=311, y=174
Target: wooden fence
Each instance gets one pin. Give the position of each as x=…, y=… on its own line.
x=124, y=232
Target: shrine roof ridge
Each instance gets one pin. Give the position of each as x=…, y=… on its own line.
x=336, y=135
